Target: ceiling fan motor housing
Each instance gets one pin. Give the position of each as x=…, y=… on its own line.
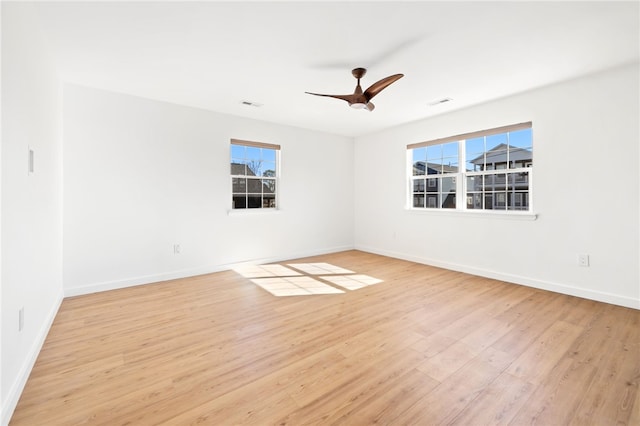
x=359, y=72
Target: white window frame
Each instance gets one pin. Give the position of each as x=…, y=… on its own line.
x=276, y=179
x=462, y=174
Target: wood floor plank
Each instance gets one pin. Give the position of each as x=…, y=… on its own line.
x=445, y=363
x=447, y=400
x=505, y=395
x=620, y=335
x=368, y=381
x=556, y=399
x=391, y=400
x=535, y=363
x=423, y=346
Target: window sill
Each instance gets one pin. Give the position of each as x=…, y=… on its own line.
x=251, y=212
x=512, y=215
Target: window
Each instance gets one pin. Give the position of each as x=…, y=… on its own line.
x=492, y=168
x=254, y=174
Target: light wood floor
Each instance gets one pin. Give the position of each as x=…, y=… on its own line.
x=426, y=346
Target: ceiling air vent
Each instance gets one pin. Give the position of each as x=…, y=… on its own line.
x=249, y=103
x=440, y=101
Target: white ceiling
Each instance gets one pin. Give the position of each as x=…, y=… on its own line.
x=214, y=55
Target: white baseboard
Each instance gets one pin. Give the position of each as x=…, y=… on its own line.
x=172, y=275
x=599, y=296
x=13, y=396
x=135, y=281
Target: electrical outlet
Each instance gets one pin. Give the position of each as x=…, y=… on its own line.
x=176, y=249
x=21, y=318
x=583, y=260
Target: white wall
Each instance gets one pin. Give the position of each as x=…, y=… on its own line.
x=586, y=188
x=141, y=176
x=31, y=203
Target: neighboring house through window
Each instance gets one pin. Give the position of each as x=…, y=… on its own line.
x=254, y=174
x=492, y=168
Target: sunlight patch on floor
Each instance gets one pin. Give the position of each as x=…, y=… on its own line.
x=319, y=268
x=304, y=279
x=294, y=286
x=261, y=271
x=352, y=282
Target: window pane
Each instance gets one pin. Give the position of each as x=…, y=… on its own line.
x=450, y=149
x=474, y=183
x=496, y=159
x=488, y=201
x=269, y=186
x=254, y=201
x=448, y=184
x=268, y=169
x=418, y=200
x=525, y=200
x=254, y=186
x=519, y=157
x=254, y=168
x=518, y=200
x=475, y=163
x=474, y=200
x=434, y=152
x=432, y=185
x=269, y=155
x=239, y=201
x=488, y=182
x=434, y=167
x=269, y=201
x=496, y=153
x=474, y=147
x=496, y=142
x=448, y=201
x=238, y=169
x=252, y=153
x=448, y=190
x=239, y=185
x=432, y=201
x=519, y=181
x=450, y=165
x=418, y=185
x=475, y=154
x=520, y=139
x=500, y=199
x=419, y=156
x=237, y=152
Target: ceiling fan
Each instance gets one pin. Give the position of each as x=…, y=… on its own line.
x=360, y=99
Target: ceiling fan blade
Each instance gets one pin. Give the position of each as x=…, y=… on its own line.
x=348, y=98
x=359, y=99
x=378, y=86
